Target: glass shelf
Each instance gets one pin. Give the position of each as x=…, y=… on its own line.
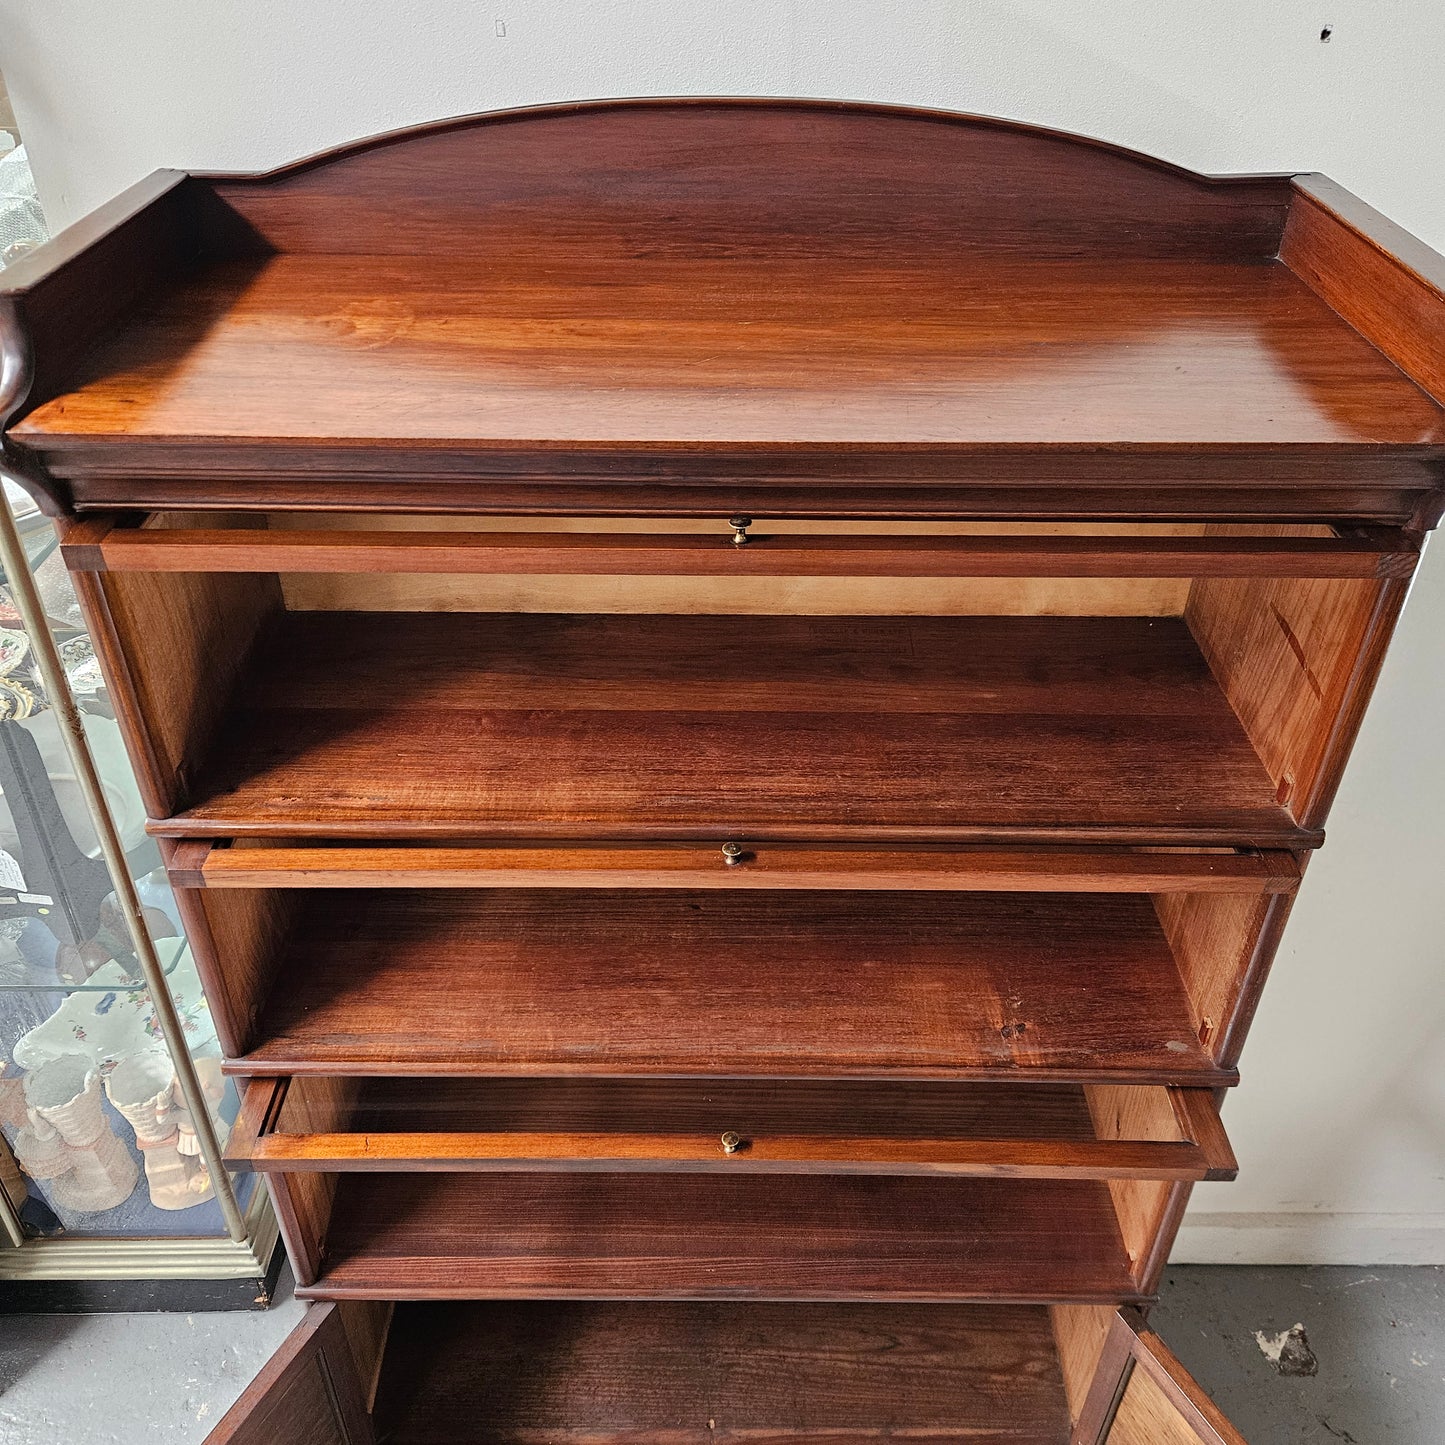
x=29, y=976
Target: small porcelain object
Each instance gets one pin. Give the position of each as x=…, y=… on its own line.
x=68, y=1142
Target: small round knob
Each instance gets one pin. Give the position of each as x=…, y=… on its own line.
x=732, y=854
x=731, y=1142
x=740, y=527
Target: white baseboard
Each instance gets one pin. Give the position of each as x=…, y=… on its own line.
x=1314, y=1238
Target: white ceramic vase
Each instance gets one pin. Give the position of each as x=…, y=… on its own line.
x=68, y=1143
x=143, y=1089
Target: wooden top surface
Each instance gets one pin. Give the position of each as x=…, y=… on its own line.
x=832, y=351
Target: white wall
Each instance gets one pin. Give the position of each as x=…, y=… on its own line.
x=1341, y=1125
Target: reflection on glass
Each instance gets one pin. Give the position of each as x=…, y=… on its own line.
x=89, y=1102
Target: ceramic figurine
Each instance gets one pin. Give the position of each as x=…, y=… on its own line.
x=143, y=1089
x=68, y=1142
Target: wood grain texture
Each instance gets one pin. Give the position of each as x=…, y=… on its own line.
x=1387, y=284
x=1161, y=1404
x=304, y=1201
x=1254, y=973
x=822, y=985
x=724, y=176
x=308, y=1392
x=1386, y=485
x=719, y=593
x=1080, y=1335
x=1147, y=1416
x=1381, y=552
x=303, y=1213
x=1221, y=944
x=377, y=359
x=368, y=1328
x=1121, y=1112
x=672, y=1126
x=274, y=864
x=977, y=729
x=179, y=645
x=697, y=1374
x=461, y=1236
x=1298, y=660
x=236, y=939
x=60, y=299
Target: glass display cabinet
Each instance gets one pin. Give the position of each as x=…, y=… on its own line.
x=112, y=1109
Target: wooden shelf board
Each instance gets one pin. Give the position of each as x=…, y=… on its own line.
x=560, y=726
x=905, y=985
x=469, y=353
x=598, y=1236
x=591, y=1372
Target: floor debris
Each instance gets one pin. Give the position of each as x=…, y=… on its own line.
x=1289, y=1352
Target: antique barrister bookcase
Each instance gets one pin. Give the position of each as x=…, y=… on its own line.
x=736, y=693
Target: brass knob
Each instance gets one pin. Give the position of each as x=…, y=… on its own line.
x=731, y=1142
x=740, y=527
x=732, y=854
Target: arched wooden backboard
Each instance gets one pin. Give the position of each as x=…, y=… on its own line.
x=662, y=176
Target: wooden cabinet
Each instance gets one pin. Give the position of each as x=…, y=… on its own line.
x=735, y=695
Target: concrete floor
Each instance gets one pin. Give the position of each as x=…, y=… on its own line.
x=1378, y=1336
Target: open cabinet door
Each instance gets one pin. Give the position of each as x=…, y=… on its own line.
x=309, y=1392
x=1142, y=1395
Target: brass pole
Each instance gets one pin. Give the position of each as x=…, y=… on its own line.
x=10, y=1225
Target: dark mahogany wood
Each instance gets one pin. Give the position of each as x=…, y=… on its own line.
x=695, y=1374
x=463, y=1236
x=939, y=988
x=827, y=353
x=59, y=301
x=1375, y=274
x=822, y=985
x=845, y=362
x=308, y=1392
x=721, y=175
x=1036, y=1131
x=745, y=728
x=1368, y=484
x=428, y=309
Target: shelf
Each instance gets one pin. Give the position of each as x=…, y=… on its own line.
x=469, y=355
x=460, y=1236
x=924, y=729
x=903, y=985
x=694, y=1374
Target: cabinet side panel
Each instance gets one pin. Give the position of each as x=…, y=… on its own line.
x=1143, y=1206
x=177, y=643
x=1297, y=659
x=307, y=1394
x=303, y=1210
x=1213, y=937
x=236, y=937
x=1148, y=1417
x=1224, y=944
x=367, y=1324
x=1080, y=1333
x=1387, y=284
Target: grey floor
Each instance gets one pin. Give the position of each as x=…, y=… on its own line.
x=1377, y=1338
